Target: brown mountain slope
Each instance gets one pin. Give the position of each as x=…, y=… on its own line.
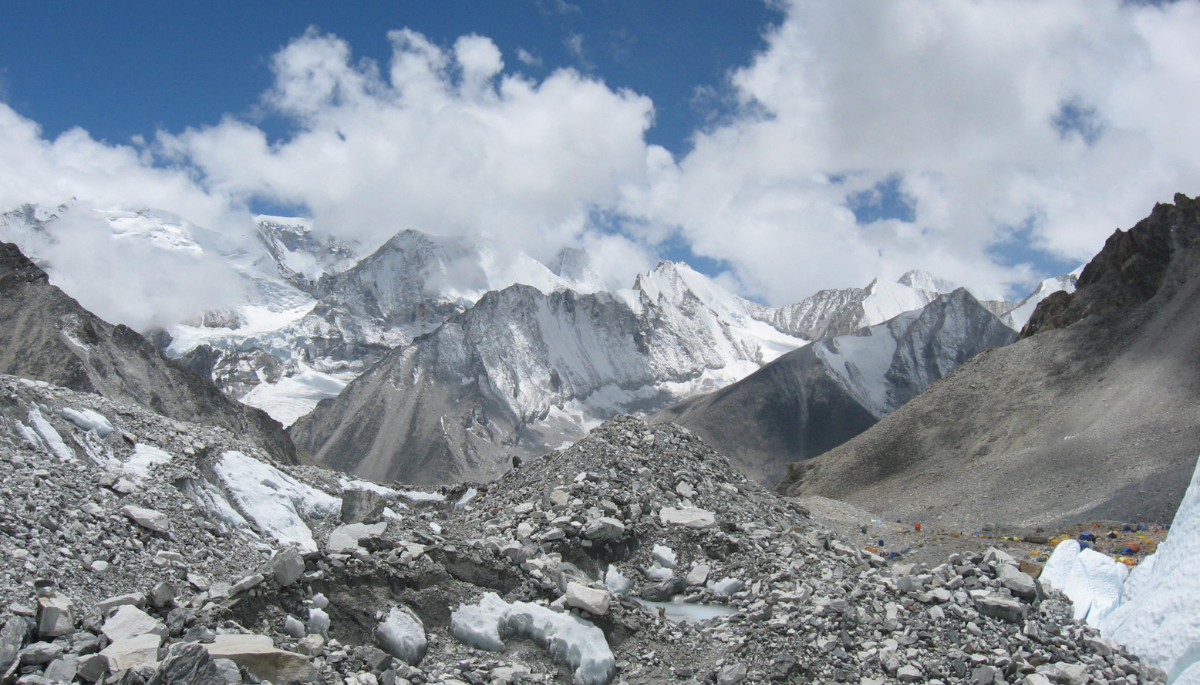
x=46, y=335
x=1094, y=414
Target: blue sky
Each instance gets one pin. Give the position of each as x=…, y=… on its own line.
x=131, y=68
x=782, y=146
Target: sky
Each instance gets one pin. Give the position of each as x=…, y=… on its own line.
x=781, y=147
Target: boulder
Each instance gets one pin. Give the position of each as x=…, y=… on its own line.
x=589, y=599
x=688, y=517
x=1020, y=584
x=258, y=655
x=129, y=621
x=147, y=518
x=362, y=506
x=698, y=575
x=731, y=674
x=92, y=667
x=1003, y=608
x=106, y=606
x=40, y=653
x=604, y=528
x=187, y=664
x=345, y=538
x=63, y=669
x=286, y=566
x=56, y=615
x=12, y=636
x=129, y=652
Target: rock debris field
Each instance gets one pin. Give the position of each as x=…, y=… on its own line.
x=142, y=550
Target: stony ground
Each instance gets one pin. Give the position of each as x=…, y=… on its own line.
x=115, y=577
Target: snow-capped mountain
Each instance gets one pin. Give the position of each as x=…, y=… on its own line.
x=838, y=312
x=523, y=371
x=814, y=398
x=1021, y=312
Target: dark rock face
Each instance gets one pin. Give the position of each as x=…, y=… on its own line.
x=48, y=336
x=1126, y=273
x=1093, y=414
x=809, y=401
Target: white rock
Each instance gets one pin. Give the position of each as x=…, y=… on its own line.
x=147, y=518
x=286, y=566
x=258, y=655
x=129, y=621
x=688, y=517
x=345, y=538
x=685, y=489
x=130, y=652
x=589, y=599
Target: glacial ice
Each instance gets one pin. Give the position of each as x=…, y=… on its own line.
x=402, y=635
x=53, y=440
x=1159, y=616
x=88, y=420
x=275, y=501
x=1090, y=579
x=616, y=583
x=567, y=637
x=665, y=556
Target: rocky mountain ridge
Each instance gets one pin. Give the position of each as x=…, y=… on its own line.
x=821, y=395
x=48, y=336
x=1102, y=392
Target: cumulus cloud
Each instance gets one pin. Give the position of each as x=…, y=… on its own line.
x=441, y=141
x=1051, y=123
x=128, y=276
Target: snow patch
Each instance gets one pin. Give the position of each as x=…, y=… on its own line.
x=144, y=456
x=296, y=395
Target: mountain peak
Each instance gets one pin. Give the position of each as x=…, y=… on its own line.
x=927, y=281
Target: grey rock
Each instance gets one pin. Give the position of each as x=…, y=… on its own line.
x=162, y=594
x=62, y=669
x=39, y=653
x=1020, y=584
x=604, y=528
x=129, y=621
x=106, y=606
x=589, y=599
x=294, y=627
x=909, y=674
x=1003, y=608
x=187, y=664
x=362, y=506
x=345, y=538
x=229, y=671
x=56, y=615
x=286, y=566
x=92, y=667
x=245, y=584
x=731, y=674
x=258, y=655
x=12, y=636
x=664, y=591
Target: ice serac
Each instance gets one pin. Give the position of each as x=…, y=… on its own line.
x=48, y=336
x=1102, y=391
x=825, y=393
x=523, y=371
x=1160, y=618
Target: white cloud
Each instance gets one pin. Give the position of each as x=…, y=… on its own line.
x=958, y=100
x=528, y=58
x=444, y=144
